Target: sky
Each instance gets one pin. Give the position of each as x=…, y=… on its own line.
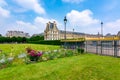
x=83, y=16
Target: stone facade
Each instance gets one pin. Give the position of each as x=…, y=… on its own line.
x=17, y=34
x=53, y=33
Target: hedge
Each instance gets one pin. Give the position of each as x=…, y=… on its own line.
x=48, y=42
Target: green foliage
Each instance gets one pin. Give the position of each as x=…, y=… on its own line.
x=13, y=39
x=20, y=39
x=36, y=38
x=55, y=54
x=0, y=35
x=69, y=53
x=80, y=50
x=47, y=42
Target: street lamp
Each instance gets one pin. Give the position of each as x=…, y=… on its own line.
x=65, y=21
x=102, y=29
x=73, y=33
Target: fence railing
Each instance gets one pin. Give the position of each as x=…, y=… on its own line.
x=102, y=46
x=111, y=48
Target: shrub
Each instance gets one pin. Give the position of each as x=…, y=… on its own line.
x=69, y=53
x=47, y=42
x=80, y=50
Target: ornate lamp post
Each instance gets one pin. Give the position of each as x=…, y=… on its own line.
x=65, y=21
x=102, y=36
x=73, y=33
x=102, y=29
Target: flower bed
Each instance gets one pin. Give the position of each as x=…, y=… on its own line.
x=32, y=55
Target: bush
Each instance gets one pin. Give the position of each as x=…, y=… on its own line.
x=69, y=53
x=48, y=42
x=80, y=50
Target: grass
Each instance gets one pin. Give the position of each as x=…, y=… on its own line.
x=82, y=67
x=20, y=48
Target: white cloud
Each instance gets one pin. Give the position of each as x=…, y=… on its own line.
x=84, y=22
x=38, y=25
x=112, y=27
x=31, y=5
x=22, y=26
x=82, y=19
x=41, y=22
x=114, y=24
x=25, y=24
x=73, y=1
x=4, y=13
x=3, y=3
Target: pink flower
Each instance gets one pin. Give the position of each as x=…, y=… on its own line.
x=32, y=53
x=39, y=53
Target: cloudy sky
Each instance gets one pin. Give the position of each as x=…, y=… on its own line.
x=84, y=16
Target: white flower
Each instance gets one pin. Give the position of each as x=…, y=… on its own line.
x=10, y=59
x=49, y=51
x=55, y=51
x=46, y=52
x=22, y=55
x=59, y=50
x=2, y=61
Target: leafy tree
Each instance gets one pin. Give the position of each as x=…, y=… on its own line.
x=0, y=35
x=14, y=39
x=36, y=38
x=24, y=39
x=19, y=39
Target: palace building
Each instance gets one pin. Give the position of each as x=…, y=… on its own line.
x=17, y=34
x=53, y=33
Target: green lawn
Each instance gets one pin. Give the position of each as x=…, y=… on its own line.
x=20, y=48
x=81, y=67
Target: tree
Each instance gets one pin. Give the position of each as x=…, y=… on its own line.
x=0, y=35
x=36, y=38
x=24, y=39
x=19, y=39
x=14, y=39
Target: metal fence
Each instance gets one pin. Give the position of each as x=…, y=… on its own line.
x=73, y=45
x=111, y=48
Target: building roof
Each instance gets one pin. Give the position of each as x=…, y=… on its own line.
x=118, y=33
x=51, y=26
x=71, y=32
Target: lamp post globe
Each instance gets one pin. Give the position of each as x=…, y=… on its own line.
x=102, y=29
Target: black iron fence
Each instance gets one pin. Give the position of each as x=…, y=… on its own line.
x=102, y=47
x=111, y=48
x=73, y=45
